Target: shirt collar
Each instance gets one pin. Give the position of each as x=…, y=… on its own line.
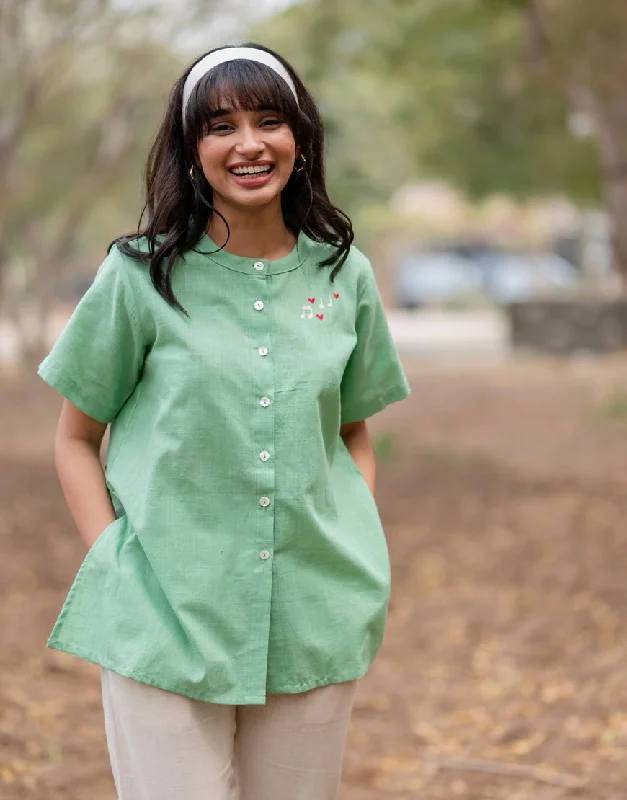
x=254, y=266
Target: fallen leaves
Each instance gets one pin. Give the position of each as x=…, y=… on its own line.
x=502, y=675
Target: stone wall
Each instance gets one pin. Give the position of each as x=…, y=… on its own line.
x=569, y=326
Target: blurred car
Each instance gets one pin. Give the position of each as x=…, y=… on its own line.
x=435, y=278
x=446, y=276
x=511, y=277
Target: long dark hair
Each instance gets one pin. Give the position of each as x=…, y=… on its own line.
x=179, y=207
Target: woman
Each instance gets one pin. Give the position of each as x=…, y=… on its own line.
x=237, y=580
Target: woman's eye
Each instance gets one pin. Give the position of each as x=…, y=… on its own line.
x=220, y=127
x=272, y=122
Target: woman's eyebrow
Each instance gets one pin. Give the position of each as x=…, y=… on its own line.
x=220, y=112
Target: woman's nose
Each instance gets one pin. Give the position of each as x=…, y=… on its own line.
x=250, y=143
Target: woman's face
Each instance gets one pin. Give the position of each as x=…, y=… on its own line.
x=247, y=156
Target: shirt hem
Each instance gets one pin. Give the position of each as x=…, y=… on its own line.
x=133, y=674
x=376, y=404
x=61, y=382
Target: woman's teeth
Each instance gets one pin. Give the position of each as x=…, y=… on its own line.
x=252, y=170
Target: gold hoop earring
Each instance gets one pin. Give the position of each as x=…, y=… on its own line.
x=302, y=164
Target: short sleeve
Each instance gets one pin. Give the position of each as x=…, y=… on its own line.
x=373, y=377
x=97, y=360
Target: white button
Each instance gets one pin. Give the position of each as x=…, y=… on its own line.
x=263, y=351
x=265, y=402
x=258, y=265
x=264, y=455
x=259, y=305
x=264, y=501
x=264, y=555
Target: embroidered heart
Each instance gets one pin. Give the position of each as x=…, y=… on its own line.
x=336, y=295
x=320, y=316
x=311, y=299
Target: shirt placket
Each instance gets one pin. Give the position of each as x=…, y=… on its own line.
x=263, y=432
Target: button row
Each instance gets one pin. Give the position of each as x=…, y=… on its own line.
x=264, y=502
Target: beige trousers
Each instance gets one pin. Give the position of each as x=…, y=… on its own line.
x=165, y=746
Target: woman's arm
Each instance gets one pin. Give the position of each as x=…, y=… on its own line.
x=358, y=443
x=77, y=460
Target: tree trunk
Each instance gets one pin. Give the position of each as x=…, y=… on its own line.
x=603, y=103
x=616, y=205
x=612, y=143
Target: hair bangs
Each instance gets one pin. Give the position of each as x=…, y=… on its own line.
x=240, y=85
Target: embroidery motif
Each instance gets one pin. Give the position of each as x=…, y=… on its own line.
x=307, y=310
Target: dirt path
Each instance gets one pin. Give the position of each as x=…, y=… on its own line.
x=504, y=496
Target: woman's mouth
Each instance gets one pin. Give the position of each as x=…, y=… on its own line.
x=252, y=176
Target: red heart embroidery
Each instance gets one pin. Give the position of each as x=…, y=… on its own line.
x=320, y=316
x=336, y=295
x=311, y=299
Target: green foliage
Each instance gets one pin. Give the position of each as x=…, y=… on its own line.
x=435, y=88
x=489, y=123
x=366, y=148
x=614, y=407
x=385, y=444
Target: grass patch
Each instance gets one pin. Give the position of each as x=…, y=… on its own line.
x=614, y=407
x=385, y=445
x=445, y=457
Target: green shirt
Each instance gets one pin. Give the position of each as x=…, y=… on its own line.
x=248, y=554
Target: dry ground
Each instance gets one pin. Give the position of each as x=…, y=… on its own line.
x=503, y=490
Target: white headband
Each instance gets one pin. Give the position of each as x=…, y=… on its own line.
x=231, y=54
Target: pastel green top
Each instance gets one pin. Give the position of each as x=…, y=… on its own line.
x=247, y=556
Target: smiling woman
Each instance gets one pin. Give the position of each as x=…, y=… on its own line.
x=237, y=581
x=229, y=110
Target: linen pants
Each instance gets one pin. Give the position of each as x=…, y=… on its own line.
x=166, y=746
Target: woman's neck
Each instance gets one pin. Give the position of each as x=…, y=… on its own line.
x=254, y=233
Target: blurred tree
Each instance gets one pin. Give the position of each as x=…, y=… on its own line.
x=519, y=96
x=368, y=152
x=82, y=87
x=524, y=96
x=579, y=46
x=483, y=120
